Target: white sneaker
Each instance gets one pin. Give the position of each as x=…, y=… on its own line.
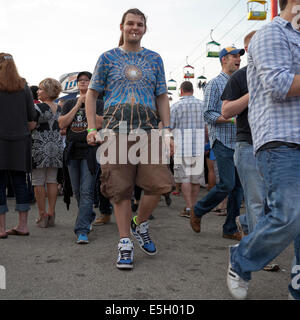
x=125, y=256
x=290, y=297
x=237, y=286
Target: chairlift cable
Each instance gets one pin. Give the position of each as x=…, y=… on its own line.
x=205, y=38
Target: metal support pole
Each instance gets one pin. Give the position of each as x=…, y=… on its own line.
x=274, y=9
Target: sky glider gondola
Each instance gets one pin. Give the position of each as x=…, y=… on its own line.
x=172, y=85
x=188, y=71
x=213, y=48
x=255, y=14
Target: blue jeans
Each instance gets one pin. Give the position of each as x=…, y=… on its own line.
x=252, y=182
x=83, y=184
x=20, y=188
x=280, y=170
x=229, y=185
x=100, y=201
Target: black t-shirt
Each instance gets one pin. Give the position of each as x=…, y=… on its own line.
x=236, y=87
x=76, y=131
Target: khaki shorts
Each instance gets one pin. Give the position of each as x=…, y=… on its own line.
x=118, y=180
x=42, y=176
x=187, y=173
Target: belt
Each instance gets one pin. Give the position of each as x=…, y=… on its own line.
x=277, y=144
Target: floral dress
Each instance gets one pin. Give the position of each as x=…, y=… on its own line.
x=47, y=143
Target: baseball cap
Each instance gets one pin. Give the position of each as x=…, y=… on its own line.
x=230, y=50
x=85, y=73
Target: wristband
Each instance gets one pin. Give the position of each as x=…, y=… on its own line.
x=90, y=130
x=232, y=120
x=166, y=127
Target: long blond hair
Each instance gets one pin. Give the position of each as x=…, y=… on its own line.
x=10, y=79
x=133, y=11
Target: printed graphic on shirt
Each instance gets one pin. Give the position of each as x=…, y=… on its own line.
x=131, y=81
x=79, y=124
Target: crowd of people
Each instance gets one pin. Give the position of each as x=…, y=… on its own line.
x=110, y=145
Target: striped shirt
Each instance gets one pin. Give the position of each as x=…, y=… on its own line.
x=274, y=59
x=224, y=132
x=188, y=126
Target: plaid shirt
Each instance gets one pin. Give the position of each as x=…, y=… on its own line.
x=224, y=132
x=274, y=59
x=187, y=117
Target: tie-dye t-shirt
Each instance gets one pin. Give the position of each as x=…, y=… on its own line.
x=130, y=82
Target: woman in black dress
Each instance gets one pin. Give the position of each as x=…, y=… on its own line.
x=47, y=150
x=16, y=121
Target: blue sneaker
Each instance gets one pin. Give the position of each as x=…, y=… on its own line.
x=140, y=232
x=125, y=257
x=82, y=239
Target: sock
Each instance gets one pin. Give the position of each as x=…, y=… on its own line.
x=134, y=220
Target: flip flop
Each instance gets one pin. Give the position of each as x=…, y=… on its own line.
x=3, y=236
x=14, y=232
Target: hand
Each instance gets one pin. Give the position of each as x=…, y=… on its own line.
x=63, y=131
x=81, y=100
x=91, y=138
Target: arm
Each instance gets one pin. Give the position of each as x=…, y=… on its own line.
x=65, y=120
x=295, y=87
x=212, y=113
x=274, y=68
x=163, y=106
x=99, y=121
x=173, y=119
x=234, y=107
x=90, y=110
x=31, y=125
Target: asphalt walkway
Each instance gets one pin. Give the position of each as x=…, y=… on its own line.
x=48, y=264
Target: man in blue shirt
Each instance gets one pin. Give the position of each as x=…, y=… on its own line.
x=222, y=135
x=273, y=78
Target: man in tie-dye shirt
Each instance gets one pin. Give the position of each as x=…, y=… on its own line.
x=132, y=80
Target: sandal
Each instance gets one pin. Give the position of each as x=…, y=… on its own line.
x=43, y=223
x=15, y=232
x=37, y=220
x=51, y=220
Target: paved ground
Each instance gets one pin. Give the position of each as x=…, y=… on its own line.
x=50, y=265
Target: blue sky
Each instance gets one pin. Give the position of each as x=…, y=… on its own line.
x=51, y=37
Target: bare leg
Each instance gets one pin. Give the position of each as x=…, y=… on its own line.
x=122, y=211
x=186, y=189
x=40, y=196
x=52, y=192
x=211, y=174
x=195, y=192
x=223, y=204
x=147, y=205
x=2, y=224
x=22, y=225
